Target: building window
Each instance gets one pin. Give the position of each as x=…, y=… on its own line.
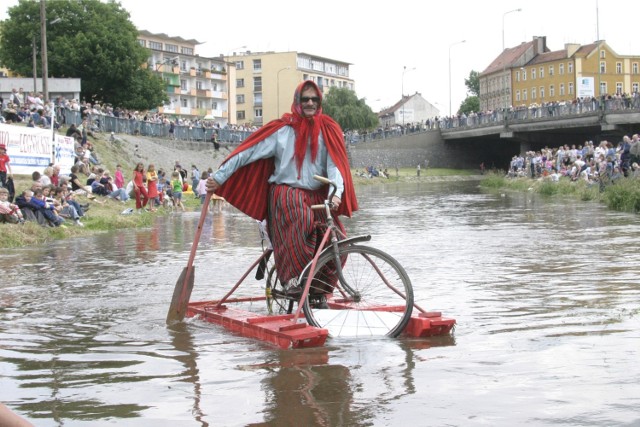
x=183, y=102
x=542, y=72
x=618, y=67
x=634, y=87
x=257, y=84
x=239, y=82
x=551, y=72
x=257, y=65
x=533, y=93
x=570, y=88
x=142, y=43
x=524, y=94
x=155, y=45
x=552, y=91
x=561, y=89
x=199, y=85
x=533, y=74
x=183, y=84
x=240, y=99
x=517, y=95
x=517, y=76
x=171, y=47
x=542, y=93
x=603, y=88
x=214, y=105
x=619, y=88
x=561, y=69
x=602, y=54
x=634, y=68
x=257, y=100
x=258, y=112
x=524, y=75
x=603, y=67
x=239, y=65
x=570, y=67
x=186, y=50
x=240, y=115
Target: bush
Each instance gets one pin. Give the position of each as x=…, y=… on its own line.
x=624, y=195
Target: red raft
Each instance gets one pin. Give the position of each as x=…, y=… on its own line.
x=287, y=331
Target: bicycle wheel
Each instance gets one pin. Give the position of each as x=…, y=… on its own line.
x=277, y=301
x=375, y=299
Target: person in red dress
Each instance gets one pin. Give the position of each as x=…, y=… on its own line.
x=142, y=197
x=152, y=186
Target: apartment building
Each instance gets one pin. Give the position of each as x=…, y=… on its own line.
x=265, y=81
x=552, y=76
x=197, y=86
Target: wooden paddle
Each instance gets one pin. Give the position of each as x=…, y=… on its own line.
x=184, y=285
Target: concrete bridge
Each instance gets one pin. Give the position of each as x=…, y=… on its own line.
x=494, y=142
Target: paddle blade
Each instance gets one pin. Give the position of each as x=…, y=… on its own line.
x=181, y=296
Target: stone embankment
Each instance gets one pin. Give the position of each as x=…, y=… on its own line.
x=163, y=153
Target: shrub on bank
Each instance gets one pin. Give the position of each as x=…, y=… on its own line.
x=623, y=196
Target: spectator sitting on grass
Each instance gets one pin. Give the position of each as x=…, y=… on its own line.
x=8, y=211
x=47, y=209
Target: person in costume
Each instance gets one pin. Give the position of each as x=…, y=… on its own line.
x=270, y=176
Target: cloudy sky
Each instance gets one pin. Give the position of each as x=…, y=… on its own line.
x=380, y=38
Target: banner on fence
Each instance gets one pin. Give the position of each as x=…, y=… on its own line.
x=32, y=149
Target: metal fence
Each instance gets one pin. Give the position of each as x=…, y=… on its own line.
x=101, y=123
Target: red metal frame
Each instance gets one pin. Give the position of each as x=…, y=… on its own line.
x=292, y=331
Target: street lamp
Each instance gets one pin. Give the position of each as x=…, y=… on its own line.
x=404, y=71
x=504, y=64
x=278, y=90
x=450, y=46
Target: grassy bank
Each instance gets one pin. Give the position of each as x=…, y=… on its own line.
x=622, y=196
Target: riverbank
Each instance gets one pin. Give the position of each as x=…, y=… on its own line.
x=127, y=150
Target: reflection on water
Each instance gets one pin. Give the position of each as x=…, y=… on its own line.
x=545, y=293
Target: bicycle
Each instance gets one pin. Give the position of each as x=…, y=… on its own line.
x=349, y=289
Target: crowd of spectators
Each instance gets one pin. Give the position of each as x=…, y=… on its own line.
x=602, y=164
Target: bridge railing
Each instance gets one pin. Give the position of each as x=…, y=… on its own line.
x=539, y=112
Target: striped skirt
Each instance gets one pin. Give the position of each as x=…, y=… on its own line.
x=292, y=227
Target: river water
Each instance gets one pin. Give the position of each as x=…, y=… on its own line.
x=545, y=293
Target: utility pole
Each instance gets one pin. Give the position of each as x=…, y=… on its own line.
x=43, y=50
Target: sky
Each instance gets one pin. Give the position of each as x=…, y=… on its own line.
x=379, y=39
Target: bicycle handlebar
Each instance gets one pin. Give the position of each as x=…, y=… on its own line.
x=334, y=188
x=324, y=180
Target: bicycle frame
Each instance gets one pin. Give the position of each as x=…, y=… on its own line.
x=332, y=232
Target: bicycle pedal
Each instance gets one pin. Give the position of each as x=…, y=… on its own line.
x=293, y=292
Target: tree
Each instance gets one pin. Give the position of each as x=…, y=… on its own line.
x=472, y=101
x=473, y=83
x=344, y=107
x=91, y=40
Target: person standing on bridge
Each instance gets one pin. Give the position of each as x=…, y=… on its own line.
x=270, y=175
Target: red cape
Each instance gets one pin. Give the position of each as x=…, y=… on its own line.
x=248, y=188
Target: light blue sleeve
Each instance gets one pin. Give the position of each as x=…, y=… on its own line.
x=262, y=150
x=333, y=173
